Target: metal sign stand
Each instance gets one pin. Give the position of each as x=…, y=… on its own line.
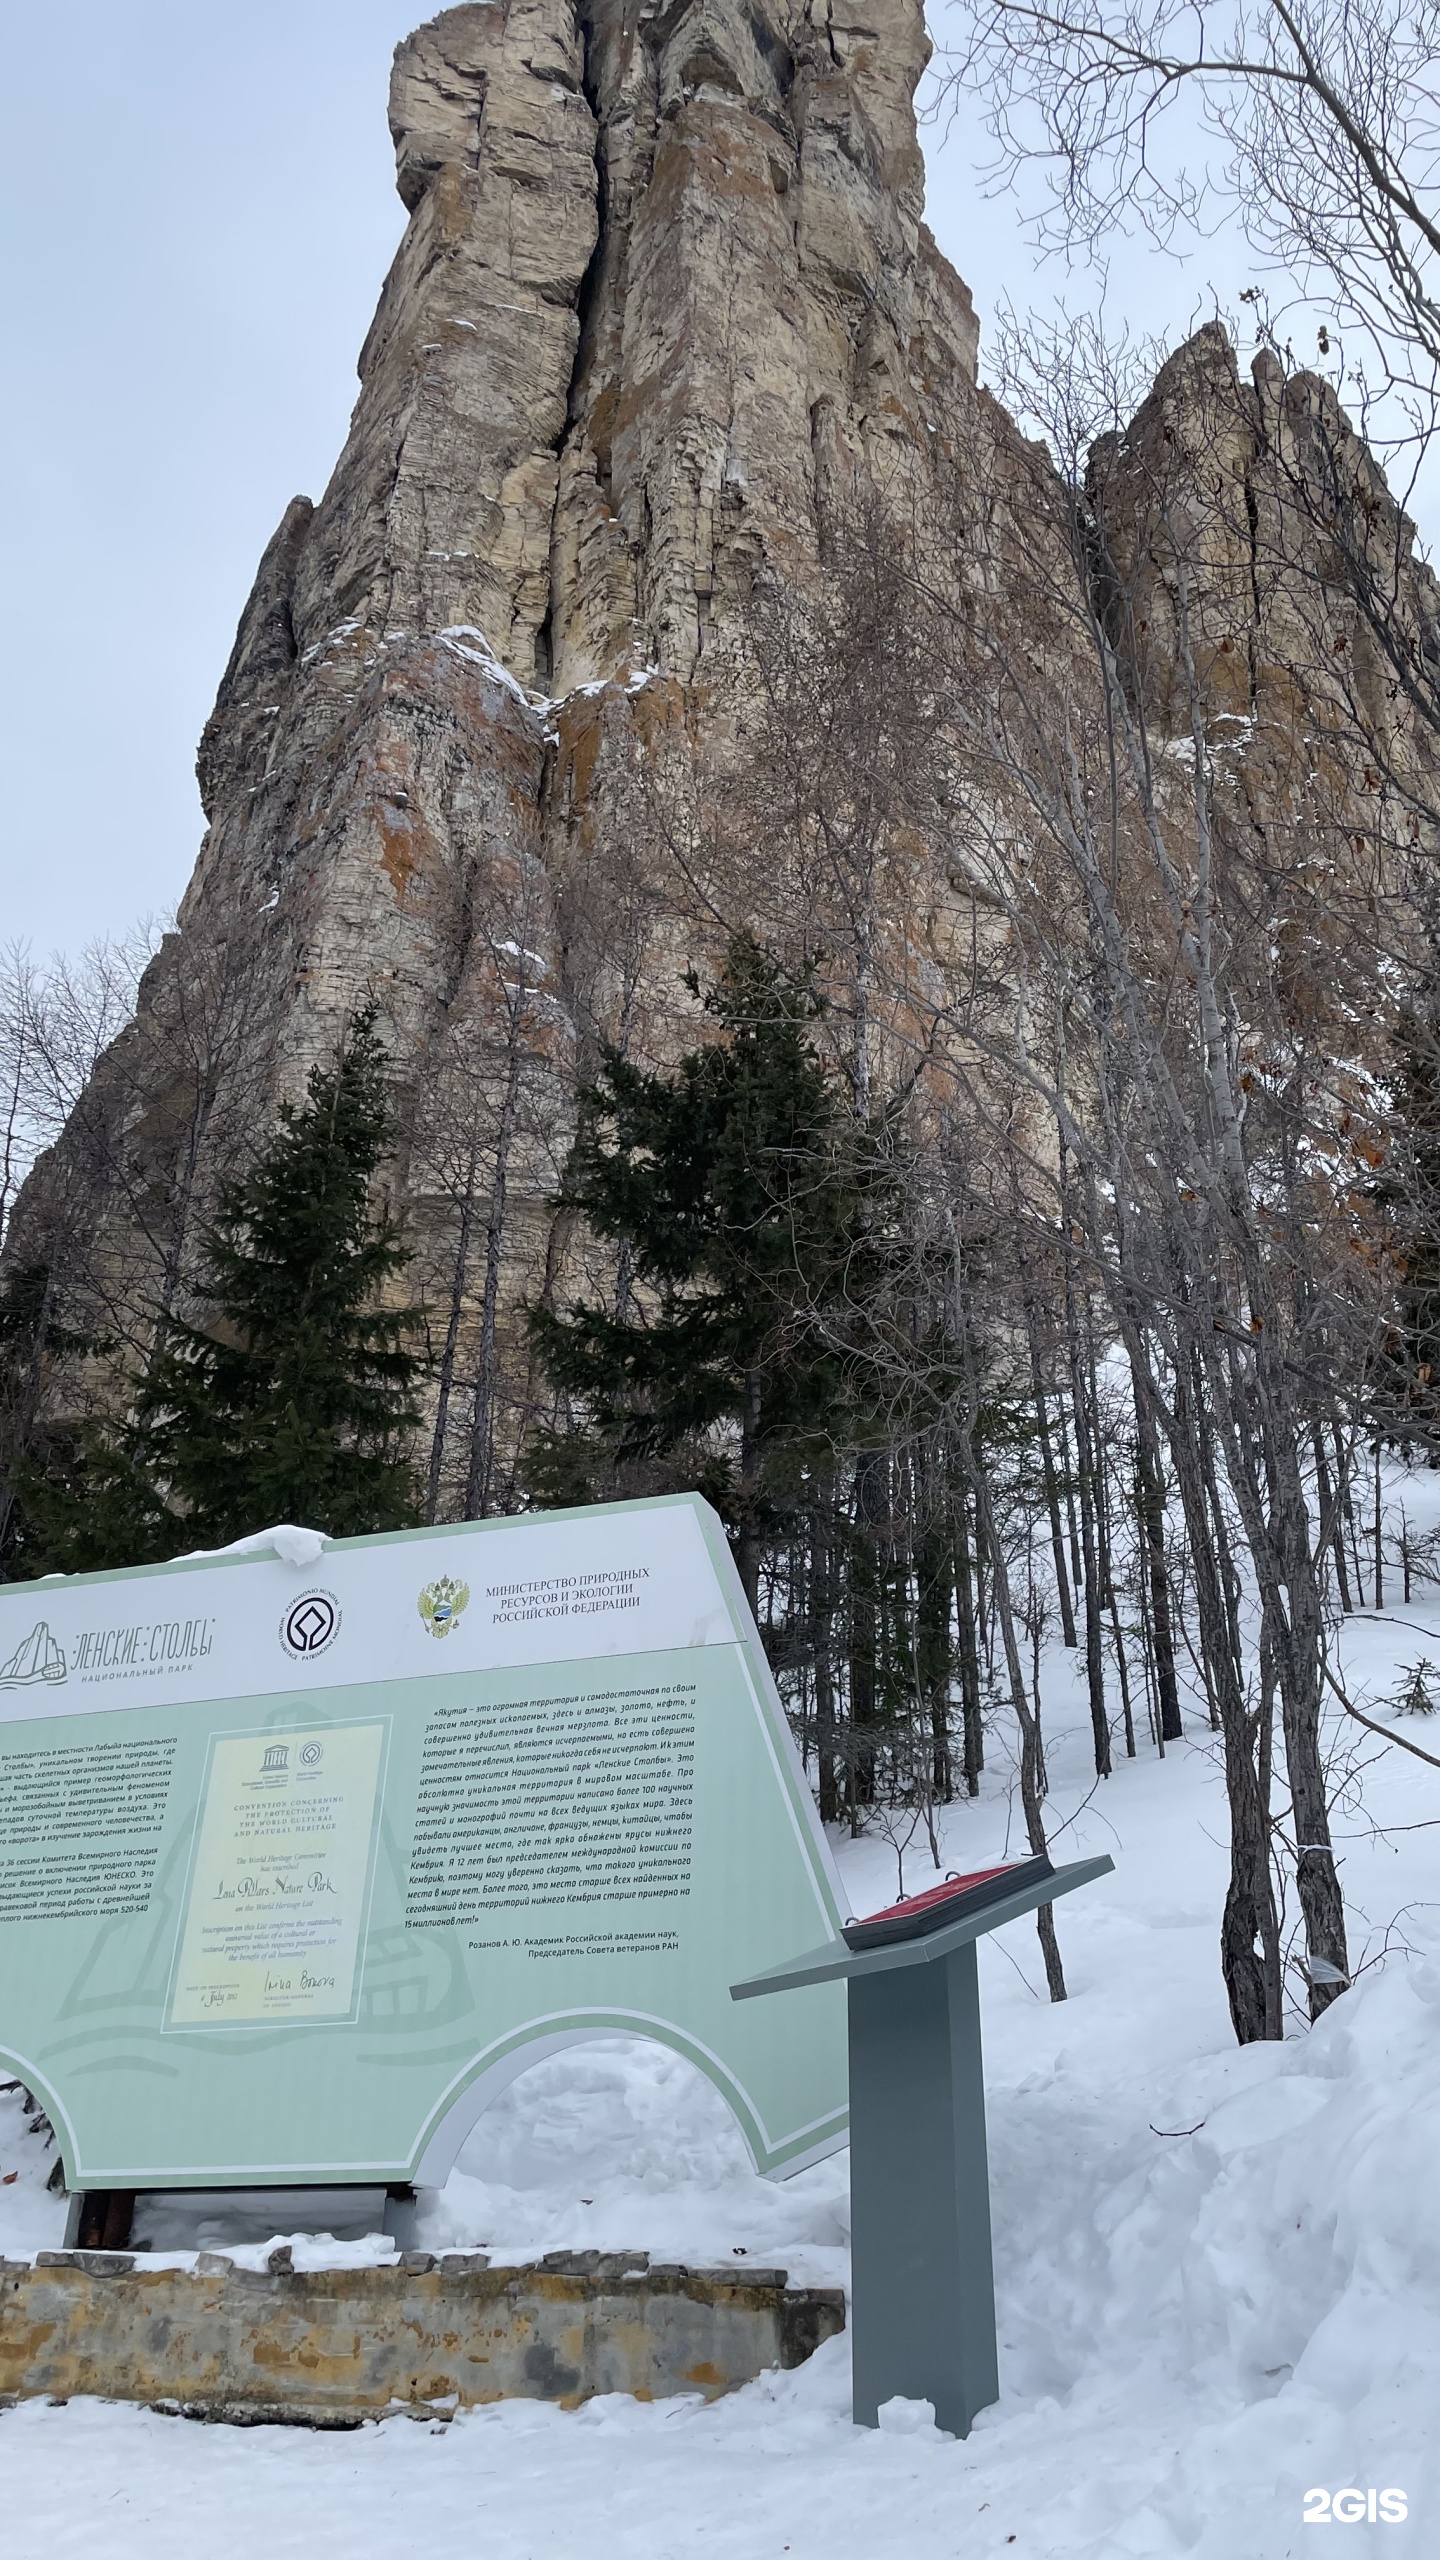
x=923, y=2283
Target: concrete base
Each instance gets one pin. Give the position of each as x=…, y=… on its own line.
x=429, y=2335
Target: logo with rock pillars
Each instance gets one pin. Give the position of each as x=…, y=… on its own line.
x=310, y=1625
x=442, y=1604
x=38, y=1658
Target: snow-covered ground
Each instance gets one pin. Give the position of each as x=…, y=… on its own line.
x=1218, y=2271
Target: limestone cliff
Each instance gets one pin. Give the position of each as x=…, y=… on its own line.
x=664, y=297
x=665, y=272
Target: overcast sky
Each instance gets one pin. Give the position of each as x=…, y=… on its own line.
x=197, y=209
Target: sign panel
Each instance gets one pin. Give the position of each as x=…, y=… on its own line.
x=300, y=1866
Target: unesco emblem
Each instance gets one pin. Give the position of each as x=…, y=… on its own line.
x=310, y=1625
x=442, y=1604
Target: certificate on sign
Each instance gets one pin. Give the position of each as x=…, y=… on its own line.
x=274, y=1923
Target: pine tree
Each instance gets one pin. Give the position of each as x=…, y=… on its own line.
x=292, y=1401
x=33, y=1335
x=1409, y=1190
x=750, y=1215
x=1415, y=1693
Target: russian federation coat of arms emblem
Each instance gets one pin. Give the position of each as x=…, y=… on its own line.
x=442, y=1604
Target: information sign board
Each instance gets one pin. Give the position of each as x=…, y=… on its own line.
x=299, y=1866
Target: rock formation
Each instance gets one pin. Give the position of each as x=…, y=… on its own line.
x=665, y=292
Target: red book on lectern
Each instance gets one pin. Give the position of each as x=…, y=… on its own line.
x=955, y=1899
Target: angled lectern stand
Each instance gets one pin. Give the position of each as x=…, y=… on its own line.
x=923, y=2283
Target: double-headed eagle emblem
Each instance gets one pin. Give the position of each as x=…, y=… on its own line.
x=442, y=1604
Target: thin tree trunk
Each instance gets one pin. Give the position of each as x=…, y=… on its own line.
x=1047, y=1454
x=869, y=1479
x=821, y=1617
x=1123, y=1670
x=445, y=1372
x=933, y=1598
x=1329, y=1502
x=1152, y=1524
x=480, y=1472
x=1379, y=1537
x=1248, y=1927
x=1030, y=1796
x=747, y=1541
x=1265, y=1471
x=973, y=1728
x=1084, y=1451
x=1070, y=1472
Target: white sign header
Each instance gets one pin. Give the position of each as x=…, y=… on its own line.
x=517, y=1592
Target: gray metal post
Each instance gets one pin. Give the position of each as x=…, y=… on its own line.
x=924, y=2321
x=924, y=2294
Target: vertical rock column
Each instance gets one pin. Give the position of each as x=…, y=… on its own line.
x=372, y=753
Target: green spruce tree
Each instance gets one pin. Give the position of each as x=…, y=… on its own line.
x=1406, y=1382
x=33, y=1446
x=750, y=1216
x=292, y=1401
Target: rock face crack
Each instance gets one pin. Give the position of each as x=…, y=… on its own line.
x=587, y=298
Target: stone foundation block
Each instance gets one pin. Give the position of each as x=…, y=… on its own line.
x=341, y=2344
